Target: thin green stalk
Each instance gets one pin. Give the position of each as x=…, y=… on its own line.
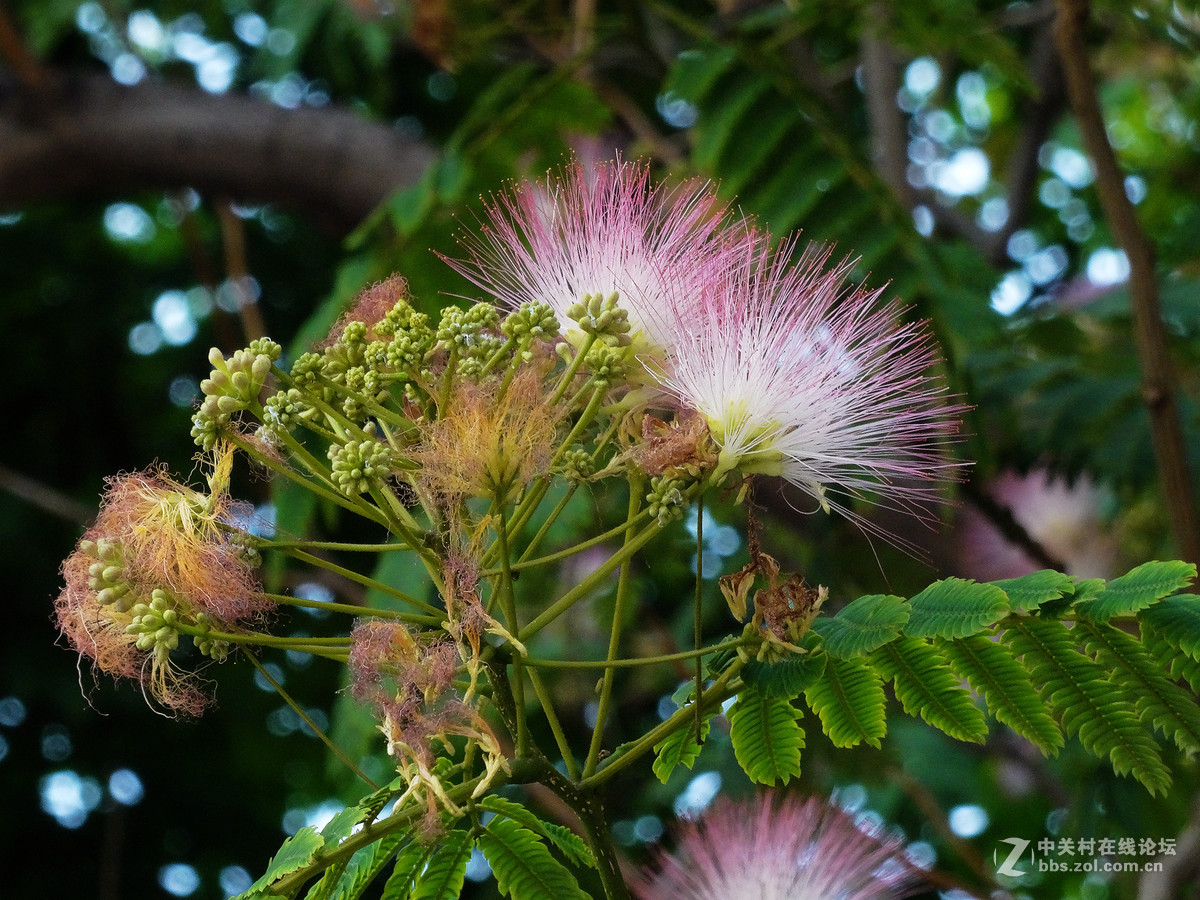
x=508, y=604
x=345, y=546
x=357, y=611
x=365, y=580
x=585, y=419
x=264, y=640
x=578, y=548
x=571, y=597
x=560, y=738
x=614, y=637
x=717, y=693
x=323, y=489
x=633, y=662
x=550, y=520
x=401, y=522
x=296, y=708
x=698, y=613
x=569, y=375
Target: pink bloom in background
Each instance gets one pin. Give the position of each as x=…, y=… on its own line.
x=801, y=376
x=779, y=849
x=601, y=229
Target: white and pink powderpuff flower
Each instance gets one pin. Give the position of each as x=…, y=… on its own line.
x=604, y=229
x=779, y=848
x=800, y=375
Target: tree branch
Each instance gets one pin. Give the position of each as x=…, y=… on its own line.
x=1167, y=433
x=83, y=134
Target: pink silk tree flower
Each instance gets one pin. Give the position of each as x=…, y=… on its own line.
x=800, y=376
x=600, y=230
x=773, y=848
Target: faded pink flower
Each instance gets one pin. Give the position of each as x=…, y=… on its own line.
x=800, y=376
x=605, y=229
x=779, y=848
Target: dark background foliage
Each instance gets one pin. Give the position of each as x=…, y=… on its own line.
x=176, y=176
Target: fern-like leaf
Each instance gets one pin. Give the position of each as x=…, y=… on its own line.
x=789, y=677
x=955, y=608
x=366, y=864
x=568, y=842
x=296, y=852
x=767, y=737
x=523, y=867
x=1137, y=589
x=442, y=878
x=679, y=748
x=1030, y=591
x=926, y=686
x=1080, y=693
x=850, y=703
x=1005, y=687
x=862, y=625
x=1177, y=620
x=1180, y=666
x=1171, y=710
x=406, y=873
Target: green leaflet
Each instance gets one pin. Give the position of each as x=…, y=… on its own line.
x=442, y=878
x=297, y=852
x=571, y=845
x=679, y=748
x=1171, y=709
x=767, y=737
x=955, y=608
x=1137, y=589
x=523, y=867
x=366, y=864
x=1180, y=667
x=1079, y=692
x=1005, y=686
x=406, y=874
x=862, y=625
x=1177, y=621
x=788, y=678
x=926, y=686
x=1030, y=591
x=850, y=702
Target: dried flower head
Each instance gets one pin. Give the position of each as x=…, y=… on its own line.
x=801, y=377
x=779, y=848
x=595, y=232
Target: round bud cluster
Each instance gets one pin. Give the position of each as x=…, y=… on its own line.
x=531, y=321
x=106, y=576
x=210, y=647
x=577, y=465
x=666, y=500
x=154, y=624
x=601, y=316
x=357, y=463
x=233, y=385
x=306, y=368
x=462, y=328
x=281, y=409
x=607, y=365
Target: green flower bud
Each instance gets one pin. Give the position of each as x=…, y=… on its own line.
x=665, y=499
x=357, y=463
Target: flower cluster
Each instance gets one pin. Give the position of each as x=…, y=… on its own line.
x=794, y=372
x=779, y=848
x=160, y=560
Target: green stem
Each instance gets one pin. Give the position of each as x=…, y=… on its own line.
x=367, y=581
x=560, y=738
x=550, y=520
x=357, y=611
x=508, y=604
x=345, y=546
x=698, y=613
x=571, y=597
x=631, y=662
x=581, y=546
x=569, y=375
x=614, y=638
x=296, y=708
x=720, y=691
